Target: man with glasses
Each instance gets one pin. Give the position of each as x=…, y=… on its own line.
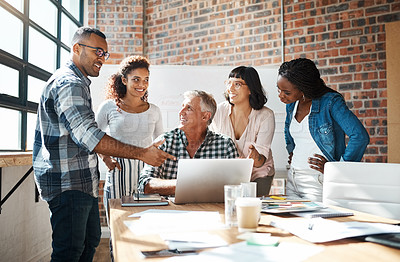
x=99, y=51
x=64, y=153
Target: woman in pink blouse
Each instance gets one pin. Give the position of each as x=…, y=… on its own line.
x=250, y=124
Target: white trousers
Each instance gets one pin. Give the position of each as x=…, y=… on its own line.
x=304, y=185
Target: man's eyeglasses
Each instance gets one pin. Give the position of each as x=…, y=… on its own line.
x=99, y=51
x=236, y=84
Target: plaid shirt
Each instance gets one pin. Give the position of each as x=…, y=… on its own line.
x=65, y=136
x=213, y=146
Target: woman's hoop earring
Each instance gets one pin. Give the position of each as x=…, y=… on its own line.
x=304, y=99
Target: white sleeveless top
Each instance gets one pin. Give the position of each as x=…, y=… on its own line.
x=305, y=144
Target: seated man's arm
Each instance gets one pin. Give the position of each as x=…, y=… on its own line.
x=153, y=180
x=159, y=179
x=164, y=187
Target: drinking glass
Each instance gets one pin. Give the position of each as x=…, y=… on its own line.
x=231, y=193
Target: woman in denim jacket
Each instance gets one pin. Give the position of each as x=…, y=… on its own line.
x=317, y=120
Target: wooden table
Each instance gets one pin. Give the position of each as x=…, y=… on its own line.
x=127, y=246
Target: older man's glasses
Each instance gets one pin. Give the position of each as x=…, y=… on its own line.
x=99, y=51
x=236, y=84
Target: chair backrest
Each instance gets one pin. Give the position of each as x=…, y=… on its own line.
x=368, y=187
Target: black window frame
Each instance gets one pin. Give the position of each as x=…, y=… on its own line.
x=26, y=69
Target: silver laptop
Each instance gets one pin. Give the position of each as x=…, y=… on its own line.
x=203, y=180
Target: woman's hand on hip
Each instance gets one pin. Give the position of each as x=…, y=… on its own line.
x=290, y=158
x=317, y=162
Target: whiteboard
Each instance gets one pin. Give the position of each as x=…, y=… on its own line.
x=169, y=82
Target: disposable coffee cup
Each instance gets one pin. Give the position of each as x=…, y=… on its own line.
x=248, y=210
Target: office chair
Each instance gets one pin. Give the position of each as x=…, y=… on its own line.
x=368, y=187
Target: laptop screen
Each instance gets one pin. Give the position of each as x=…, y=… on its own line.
x=203, y=180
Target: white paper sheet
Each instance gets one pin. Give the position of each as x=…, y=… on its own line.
x=192, y=240
x=158, y=223
x=318, y=230
x=241, y=252
x=139, y=214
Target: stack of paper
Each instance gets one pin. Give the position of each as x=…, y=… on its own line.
x=325, y=213
x=288, y=207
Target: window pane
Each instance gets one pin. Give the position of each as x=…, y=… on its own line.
x=30, y=134
x=42, y=51
x=9, y=81
x=68, y=29
x=44, y=13
x=13, y=31
x=18, y=4
x=35, y=87
x=65, y=56
x=10, y=136
x=73, y=7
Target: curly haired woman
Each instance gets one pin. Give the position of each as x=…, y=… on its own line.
x=128, y=117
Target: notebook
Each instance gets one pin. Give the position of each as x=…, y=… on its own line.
x=203, y=180
x=130, y=201
x=324, y=212
x=154, y=197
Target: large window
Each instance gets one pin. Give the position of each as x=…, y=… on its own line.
x=36, y=37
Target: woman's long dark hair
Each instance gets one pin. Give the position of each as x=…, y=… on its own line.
x=250, y=76
x=303, y=73
x=115, y=89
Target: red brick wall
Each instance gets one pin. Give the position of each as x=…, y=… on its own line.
x=345, y=38
x=213, y=32
x=103, y=219
x=122, y=22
